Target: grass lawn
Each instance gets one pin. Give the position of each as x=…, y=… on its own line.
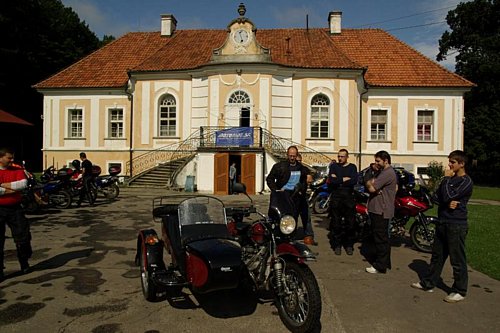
x=483, y=247
x=488, y=193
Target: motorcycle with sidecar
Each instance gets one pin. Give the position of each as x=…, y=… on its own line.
x=217, y=247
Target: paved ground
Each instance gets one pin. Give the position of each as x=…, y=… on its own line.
x=84, y=280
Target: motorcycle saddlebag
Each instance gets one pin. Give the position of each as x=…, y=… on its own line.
x=96, y=170
x=213, y=264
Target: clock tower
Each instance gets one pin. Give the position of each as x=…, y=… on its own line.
x=241, y=44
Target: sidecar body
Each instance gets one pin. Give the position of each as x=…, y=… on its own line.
x=204, y=255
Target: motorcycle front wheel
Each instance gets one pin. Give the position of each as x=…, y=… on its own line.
x=111, y=192
x=320, y=204
x=420, y=237
x=61, y=199
x=299, y=306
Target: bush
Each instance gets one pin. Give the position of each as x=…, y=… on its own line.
x=435, y=171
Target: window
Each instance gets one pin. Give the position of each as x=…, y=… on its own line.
x=75, y=118
x=320, y=114
x=378, y=125
x=425, y=125
x=168, y=116
x=239, y=97
x=116, y=123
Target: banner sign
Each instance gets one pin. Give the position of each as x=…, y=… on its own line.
x=237, y=136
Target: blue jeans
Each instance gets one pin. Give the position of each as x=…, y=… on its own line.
x=449, y=241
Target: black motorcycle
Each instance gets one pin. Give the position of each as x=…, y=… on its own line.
x=212, y=248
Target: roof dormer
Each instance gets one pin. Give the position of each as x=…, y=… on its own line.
x=241, y=44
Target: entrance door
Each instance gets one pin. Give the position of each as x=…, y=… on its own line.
x=248, y=172
x=245, y=117
x=221, y=177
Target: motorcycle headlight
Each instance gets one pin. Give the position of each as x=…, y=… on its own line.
x=287, y=224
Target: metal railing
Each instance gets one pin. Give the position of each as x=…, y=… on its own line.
x=206, y=137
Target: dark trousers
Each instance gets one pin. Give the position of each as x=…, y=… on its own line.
x=379, y=226
x=342, y=219
x=305, y=216
x=449, y=241
x=86, y=190
x=13, y=216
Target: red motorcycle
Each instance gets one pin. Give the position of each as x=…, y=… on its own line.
x=409, y=202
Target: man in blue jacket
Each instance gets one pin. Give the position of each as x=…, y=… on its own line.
x=452, y=196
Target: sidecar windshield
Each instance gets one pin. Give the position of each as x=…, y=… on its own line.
x=201, y=210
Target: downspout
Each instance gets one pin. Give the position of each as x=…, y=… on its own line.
x=128, y=89
x=365, y=88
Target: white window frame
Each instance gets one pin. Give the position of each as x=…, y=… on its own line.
x=329, y=109
x=388, y=133
x=69, y=122
x=433, y=134
x=159, y=118
x=110, y=121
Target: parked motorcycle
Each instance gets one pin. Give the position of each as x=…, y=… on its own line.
x=320, y=198
x=409, y=202
x=212, y=247
x=51, y=192
x=108, y=185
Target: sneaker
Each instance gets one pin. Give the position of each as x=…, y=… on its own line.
x=349, y=251
x=453, y=298
x=338, y=251
x=371, y=270
x=417, y=285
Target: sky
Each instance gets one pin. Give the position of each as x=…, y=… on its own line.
x=418, y=23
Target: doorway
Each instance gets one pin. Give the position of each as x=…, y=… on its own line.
x=245, y=171
x=245, y=117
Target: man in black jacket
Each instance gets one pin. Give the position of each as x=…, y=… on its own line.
x=284, y=176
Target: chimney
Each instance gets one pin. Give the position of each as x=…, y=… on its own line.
x=334, y=21
x=168, y=24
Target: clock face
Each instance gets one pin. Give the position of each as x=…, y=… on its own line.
x=241, y=36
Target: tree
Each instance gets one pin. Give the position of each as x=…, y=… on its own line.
x=475, y=38
x=38, y=38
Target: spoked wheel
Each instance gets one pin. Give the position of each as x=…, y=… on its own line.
x=420, y=237
x=149, y=289
x=320, y=204
x=61, y=199
x=299, y=307
x=111, y=192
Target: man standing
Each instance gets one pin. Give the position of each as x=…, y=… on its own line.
x=382, y=191
x=452, y=195
x=232, y=177
x=12, y=182
x=87, y=180
x=342, y=178
x=284, y=176
x=305, y=210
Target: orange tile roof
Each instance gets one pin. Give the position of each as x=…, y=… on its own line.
x=389, y=62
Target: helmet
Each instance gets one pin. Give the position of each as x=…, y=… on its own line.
x=76, y=164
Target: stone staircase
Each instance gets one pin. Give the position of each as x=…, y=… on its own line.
x=160, y=176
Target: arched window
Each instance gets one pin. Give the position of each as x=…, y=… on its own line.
x=239, y=97
x=320, y=116
x=167, y=118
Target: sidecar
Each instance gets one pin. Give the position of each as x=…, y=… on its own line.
x=203, y=254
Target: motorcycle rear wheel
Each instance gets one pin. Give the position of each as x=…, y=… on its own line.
x=320, y=204
x=299, y=307
x=111, y=192
x=149, y=289
x=422, y=240
x=61, y=199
